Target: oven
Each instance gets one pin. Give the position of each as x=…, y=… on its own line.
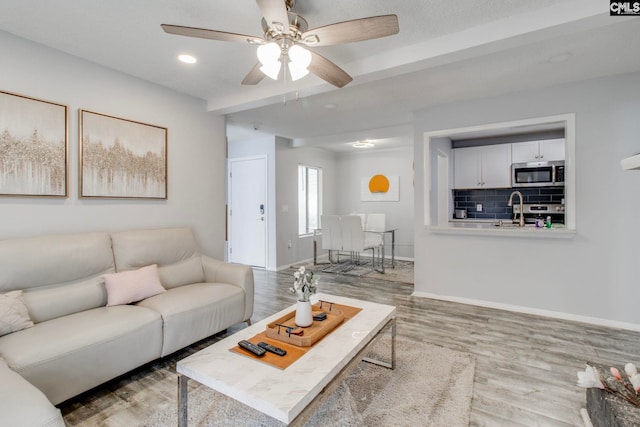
x=540, y=211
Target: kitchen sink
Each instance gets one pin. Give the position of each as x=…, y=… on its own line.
x=509, y=224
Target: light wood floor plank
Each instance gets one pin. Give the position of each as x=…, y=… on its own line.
x=525, y=365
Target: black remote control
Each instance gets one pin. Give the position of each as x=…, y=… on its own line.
x=320, y=316
x=272, y=348
x=258, y=351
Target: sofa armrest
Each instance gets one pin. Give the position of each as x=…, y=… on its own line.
x=233, y=274
x=22, y=404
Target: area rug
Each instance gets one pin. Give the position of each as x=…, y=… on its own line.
x=431, y=386
x=403, y=271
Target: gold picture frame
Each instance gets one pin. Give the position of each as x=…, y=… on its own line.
x=33, y=147
x=121, y=158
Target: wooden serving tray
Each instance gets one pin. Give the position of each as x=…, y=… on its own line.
x=312, y=334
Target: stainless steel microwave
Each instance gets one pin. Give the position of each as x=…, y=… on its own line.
x=537, y=174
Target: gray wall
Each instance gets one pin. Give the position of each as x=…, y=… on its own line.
x=365, y=164
x=287, y=161
x=196, y=158
x=592, y=275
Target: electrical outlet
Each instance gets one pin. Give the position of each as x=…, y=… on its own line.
x=479, y=207
x=289, y=245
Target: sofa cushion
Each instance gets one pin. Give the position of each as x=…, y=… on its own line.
x=193, y=312
x=47, y=260
x=14, y=315
x=182, y=273
x=21, y=404
x=175, y=250
x=50, y=264
x=62, y=299
x=132, y=286
x=66, y=356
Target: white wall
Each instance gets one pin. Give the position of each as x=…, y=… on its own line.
x=594, y=274
x=287, y=161
x=263, y=146
x=365, y=164
x=196, y=158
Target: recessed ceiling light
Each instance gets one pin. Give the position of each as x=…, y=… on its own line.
x=363, y=144
x=187, y=59
x=330, y=106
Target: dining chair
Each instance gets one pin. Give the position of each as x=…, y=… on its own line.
x=375, y=227
x=354, y=239
x=331, y=235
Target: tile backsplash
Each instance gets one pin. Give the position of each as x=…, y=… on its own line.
x=494, y=201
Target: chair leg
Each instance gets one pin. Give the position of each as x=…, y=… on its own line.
x=381, y=261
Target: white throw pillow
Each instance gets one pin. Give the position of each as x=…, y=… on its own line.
x=14, y=315
x=131, y=286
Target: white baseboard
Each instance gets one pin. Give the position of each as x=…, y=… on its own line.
x=535, y=311
x=400, y=258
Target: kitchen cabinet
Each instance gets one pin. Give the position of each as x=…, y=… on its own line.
x=487, y=166
x=538, y=151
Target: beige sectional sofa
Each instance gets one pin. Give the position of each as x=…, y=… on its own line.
x=77, y=341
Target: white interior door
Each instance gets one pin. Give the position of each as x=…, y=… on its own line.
x=248, y=211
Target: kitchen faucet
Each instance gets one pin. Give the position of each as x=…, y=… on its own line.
x=521, y=207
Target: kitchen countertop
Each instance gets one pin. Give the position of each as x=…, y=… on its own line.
x=488, y=227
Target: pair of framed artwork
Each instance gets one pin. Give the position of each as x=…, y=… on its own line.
x=118, y=158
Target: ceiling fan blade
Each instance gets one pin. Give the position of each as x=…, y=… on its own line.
x=255, y=76
x=352, y=31
x=275, y=14
x=203, y=33
x=328, y=71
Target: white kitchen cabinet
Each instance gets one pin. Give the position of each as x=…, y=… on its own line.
x=487, y=166
x=538, y=151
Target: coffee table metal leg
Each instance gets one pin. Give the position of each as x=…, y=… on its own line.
x=182, y=400
x=392, y=325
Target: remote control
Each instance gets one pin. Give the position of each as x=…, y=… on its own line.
x=258, y=351
x=320, y=316
x=272, y=348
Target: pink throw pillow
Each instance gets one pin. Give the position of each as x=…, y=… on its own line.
x=131, y=286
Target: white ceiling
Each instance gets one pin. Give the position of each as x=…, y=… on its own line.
x=445, y=51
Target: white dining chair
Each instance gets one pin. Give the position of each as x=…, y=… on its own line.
x=331, y=235
x=354, y=239
x=363, y=217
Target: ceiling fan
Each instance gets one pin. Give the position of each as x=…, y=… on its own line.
x=286, y=36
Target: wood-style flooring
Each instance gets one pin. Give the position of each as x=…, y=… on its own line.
x=525, y=365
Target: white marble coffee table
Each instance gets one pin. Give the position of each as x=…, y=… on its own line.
x=285, y=394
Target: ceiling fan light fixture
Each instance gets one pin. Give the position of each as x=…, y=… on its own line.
x=300, y=58
x=296, y=72
x=269, y=53
x=278, y=27
x=272, y=70
x=311, y=40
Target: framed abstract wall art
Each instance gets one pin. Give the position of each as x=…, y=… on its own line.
x=380, y=188
x=121, y=158
x=33, y=147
